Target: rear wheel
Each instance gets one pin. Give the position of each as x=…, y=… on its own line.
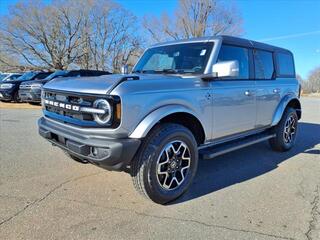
x=166, y=163
x=285, y=131
x=16, y=97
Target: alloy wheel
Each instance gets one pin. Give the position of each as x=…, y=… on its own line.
x=289, y=129
x=173, y=165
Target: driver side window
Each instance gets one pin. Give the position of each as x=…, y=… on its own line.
x=241, y=54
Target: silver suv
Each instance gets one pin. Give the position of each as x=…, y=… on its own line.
x=184, y=99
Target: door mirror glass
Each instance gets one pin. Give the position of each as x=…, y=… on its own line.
x=226, y=69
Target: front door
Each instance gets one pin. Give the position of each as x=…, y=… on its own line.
x=234, y=99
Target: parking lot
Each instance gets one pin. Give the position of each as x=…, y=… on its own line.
x=252, y=193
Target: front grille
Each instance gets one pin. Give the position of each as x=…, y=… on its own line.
x=65, y=107
x=25, y=87
x=72, y=99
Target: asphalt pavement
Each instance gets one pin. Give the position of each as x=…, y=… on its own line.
x=252, y=193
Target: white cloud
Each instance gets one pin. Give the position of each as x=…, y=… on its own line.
x=290, y=36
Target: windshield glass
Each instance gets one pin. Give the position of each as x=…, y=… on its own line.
x=60, y=73
x=27, y=76
x=2, y=76
x=178, y=58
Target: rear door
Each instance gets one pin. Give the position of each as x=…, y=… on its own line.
x=268, y=93
x=234, y=107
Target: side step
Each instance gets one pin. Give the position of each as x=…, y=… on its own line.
x=222, y=148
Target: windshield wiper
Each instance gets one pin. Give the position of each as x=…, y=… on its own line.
x=169, y=70
x=165, y=70
x=142, y=71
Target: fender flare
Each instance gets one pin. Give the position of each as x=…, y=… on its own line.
x=154, y=117
x=281, y=107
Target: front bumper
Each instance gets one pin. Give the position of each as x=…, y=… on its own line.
x=109, y=153
x=30, y=95
x=6, y=94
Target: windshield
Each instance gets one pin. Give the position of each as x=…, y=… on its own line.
x=2, y=76
x=27, y=76
x=178, y=58
x=60, y=73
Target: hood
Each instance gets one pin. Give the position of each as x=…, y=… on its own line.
x=17, y=81
x=95, y=85
x=41, y=81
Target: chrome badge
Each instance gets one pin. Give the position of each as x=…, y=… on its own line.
x=62, y=105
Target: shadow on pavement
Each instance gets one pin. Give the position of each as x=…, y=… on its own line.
x=248, y=163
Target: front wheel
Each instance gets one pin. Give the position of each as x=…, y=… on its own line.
x=16, y=98
x=166, y=163
x=286, y=131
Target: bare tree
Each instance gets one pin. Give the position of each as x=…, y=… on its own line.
x=195, y=18
x=91, y=33
x=43, y=36
x=9, y=64
x=110, y=37
x=313, y=82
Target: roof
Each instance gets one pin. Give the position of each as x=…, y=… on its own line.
x=228, y=40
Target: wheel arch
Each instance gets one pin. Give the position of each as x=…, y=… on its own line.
x=174, y=114
x=288, y=101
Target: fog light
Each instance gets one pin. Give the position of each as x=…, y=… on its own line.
x=94, y=151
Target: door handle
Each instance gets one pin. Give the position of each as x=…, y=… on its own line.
x=276, y=90
x=248, y=93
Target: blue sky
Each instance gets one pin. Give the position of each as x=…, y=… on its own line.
x=292, y=24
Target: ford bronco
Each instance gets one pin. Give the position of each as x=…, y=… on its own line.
x=9, y=88
x=30, y=91
x=183, y=101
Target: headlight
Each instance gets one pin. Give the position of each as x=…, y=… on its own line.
x=36, y=86
x=6, y=85
x=102, y=118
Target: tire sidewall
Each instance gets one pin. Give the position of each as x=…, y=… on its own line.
x=153, y=188
x=16, y=97
x=289, y=113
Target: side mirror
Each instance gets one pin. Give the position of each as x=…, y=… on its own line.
x=223, y=69
x=124, y=69
x=226, y=69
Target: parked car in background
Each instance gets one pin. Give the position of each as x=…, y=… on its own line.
x=9, y=76
x=31, y=91
x=9, y=88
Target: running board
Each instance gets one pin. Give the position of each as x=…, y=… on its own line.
x=222, y=148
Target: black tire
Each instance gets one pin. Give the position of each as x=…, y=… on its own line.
x=34, y=103
x=147, y=180
x=16, y=98
x=280, y=142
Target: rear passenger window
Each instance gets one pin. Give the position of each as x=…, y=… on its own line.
x=285, y=65
x=263, y=64
x=229, y=53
